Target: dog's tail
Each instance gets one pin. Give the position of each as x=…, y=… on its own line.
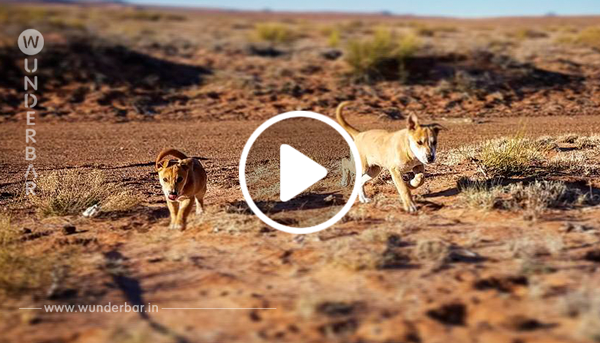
x=338, y=116
x=169, y=152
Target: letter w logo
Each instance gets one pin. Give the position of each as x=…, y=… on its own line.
x=29, y=40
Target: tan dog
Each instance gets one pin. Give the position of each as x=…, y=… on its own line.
x=407, y=150
x=183, y=180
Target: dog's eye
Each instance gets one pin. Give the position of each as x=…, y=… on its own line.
x=165, y=179
x=179, y=179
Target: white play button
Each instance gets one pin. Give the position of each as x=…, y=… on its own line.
x=297, y=172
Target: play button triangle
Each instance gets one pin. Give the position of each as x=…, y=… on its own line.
x=297, y=172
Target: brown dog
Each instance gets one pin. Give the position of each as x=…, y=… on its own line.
x=407, y=150
x=183, y=180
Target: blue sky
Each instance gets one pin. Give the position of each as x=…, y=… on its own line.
x=456, y=8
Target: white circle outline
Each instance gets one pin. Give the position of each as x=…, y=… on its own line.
x=254, y=137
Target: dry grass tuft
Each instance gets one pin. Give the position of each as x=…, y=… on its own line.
x=534, y=198
x=589, y=36
x=479, y=194
x=523, y=34
x=432, y=250
x=274, y=33
x=381, y=57
x=507, y=156
x=576, y=162
x=71, y=192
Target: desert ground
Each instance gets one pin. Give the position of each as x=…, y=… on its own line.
x=504, y=248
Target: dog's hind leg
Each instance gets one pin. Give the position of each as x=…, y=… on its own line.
x=199, y=204
x=347, y=166
x=369, y=174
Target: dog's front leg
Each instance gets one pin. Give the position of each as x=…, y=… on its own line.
x=185, y=207
x=419, y=178
x=173, y=209
x=404, y=191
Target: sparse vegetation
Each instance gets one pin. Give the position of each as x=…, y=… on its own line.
x=479, y=194
x=334, y=38
x=520, y=156
x=507, y=156
x=381, y=57
x=71, y=192
x=534, y=198
x=525, y=33
x=589, y=36
x=274, y=33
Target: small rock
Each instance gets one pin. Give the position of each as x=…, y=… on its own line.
x=91, y=211
x=331, y=54
x=69, y=229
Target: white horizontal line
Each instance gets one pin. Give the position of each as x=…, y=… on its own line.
x=30, y=308
x=219, y=308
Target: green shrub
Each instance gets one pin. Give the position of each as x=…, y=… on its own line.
x=334, y=38
x=382, y=56
x=274, y=33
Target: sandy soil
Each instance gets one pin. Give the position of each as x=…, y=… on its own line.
x=119, y=84
x=232, y=260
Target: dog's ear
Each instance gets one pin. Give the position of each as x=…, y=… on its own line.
x=412, y=122
x=437, y=127
x=160, y=165
x=185, y=164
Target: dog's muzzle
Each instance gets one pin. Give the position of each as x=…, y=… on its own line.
x=172, y=196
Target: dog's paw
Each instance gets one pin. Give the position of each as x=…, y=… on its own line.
x=364, y=200
x=410, y=208
x=177, y=227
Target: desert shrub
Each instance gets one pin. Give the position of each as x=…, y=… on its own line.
x=144, y=15
x=424, y=31
x=589, y=36
x=382, y=56
x=478, y=194
x=573, y=162
x=524, y=33
x=546, y=143
x=274, y=33
x=588, y=142
x=71, y=192
x=334, y=38
x=535, y=197
x=507, y=156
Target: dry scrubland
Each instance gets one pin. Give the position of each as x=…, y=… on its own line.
x=506, y=244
